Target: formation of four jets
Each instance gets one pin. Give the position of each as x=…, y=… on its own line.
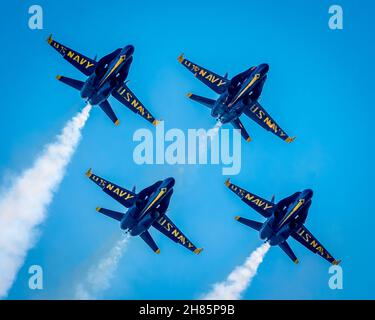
x=238, y=96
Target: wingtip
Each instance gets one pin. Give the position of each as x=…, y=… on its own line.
x=180, y=58
x=117, y=122
x=157, y=251
x=290, y=139
x=189, y=94
x=98, y=209
x=89, y=173
x=336, y=262
x=227, y=182
x=198, y=251
x=49, y=39
x=248, y=139
x=155, y=122
x=58, y=77
x=296, y=261
x=237, y=218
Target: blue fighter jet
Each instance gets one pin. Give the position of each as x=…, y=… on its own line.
x=284, y=219
x=145, y=209
x=237, y=96
x=105, y=77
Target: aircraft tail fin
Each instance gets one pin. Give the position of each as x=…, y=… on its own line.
x=106, y=107
x=146, y=236
x=202, y=100
x=287, y=249
x=250, y=223
x=112, y=214
x=76, y=84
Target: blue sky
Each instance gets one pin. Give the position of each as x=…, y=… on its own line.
x=319, y=88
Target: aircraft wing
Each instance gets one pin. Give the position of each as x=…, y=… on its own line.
x=209, y=78
x=259, y=204
x=305, y=237
x=169, y=229
x=125, y=197
x=82, y=63
x=129, y=100
x=261, y=117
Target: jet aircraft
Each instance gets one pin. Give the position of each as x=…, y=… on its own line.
x=145, y=209
x=105, y=77
x=284, y=219
x=238, y=96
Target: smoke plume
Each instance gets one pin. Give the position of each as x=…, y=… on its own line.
x=239, y=279
x=100, y=274
x=24, y=203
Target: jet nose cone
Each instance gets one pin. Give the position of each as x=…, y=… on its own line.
x=308, y=193
x=170, y=182
x=265, y=67
x=130, y=49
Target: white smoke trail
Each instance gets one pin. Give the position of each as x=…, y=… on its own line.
x=240, y=278
x=214, y=131
x=99, y=276
x=209, y=135
x=24, y=203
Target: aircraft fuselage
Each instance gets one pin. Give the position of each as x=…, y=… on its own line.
x=151, y=204
x=231, y=103
x=111, y=71
x=279, y=227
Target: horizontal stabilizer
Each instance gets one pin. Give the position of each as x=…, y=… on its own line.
x=237, y=124
x=250, y=223
x=146, y=236
x=202, y=100
x=286, y=248
x=76, y=84
x=106, y=107
x=112, y=214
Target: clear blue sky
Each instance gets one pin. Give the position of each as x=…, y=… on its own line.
x=320, y=88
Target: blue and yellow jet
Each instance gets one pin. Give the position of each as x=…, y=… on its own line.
x=105, y=77
x=145, y=209
x=237, y=96
x=284, y=219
